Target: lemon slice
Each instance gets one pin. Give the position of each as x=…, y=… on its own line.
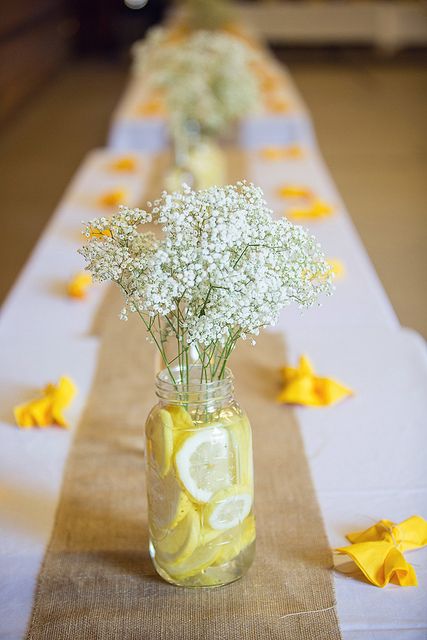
x=241, y=439
x=160, y=440
x=167, y=502
x=203, y=462
x=181, y=418
x=202, y=558
x=233, y=541
x=181, y=541
x=229, y=507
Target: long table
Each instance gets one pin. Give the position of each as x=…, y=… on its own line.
x=366, y=455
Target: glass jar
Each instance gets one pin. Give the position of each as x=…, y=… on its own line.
x=199, y=481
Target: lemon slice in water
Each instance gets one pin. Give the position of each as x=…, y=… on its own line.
x=180, y=416
x=181, y=541
x=202, y=558
x=167, y=502
x=233, y=541
x=229, y=507
x=160, y=440
x=203, y=462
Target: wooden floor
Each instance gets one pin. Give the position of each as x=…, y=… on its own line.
x=371, y=125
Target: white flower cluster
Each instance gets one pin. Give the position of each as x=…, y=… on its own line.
x=205, y=77
x=222, y=268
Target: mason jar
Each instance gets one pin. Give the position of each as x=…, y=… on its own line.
x=199, y=481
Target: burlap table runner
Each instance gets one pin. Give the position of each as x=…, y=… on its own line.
x=97, y=581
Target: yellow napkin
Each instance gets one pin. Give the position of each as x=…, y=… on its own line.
x=302, y=386
x=337, y=268
x=277, y=105
x=272, y=152
x=48, y=409
x=317, y=209
x=113, y=198
x=96, y=233
x=378, y=551
x=78, y=286
x=295, y=191
x=125, y=163
x=151, y=108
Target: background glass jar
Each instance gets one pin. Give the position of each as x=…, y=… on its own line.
x=199, y=482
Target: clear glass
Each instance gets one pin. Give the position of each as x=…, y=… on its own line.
x=199, y=482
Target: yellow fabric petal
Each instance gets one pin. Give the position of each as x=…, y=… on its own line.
x=295, y=191
x=337, y=268
x=409, y=534
x=272, y=152
x=96, y=233
x=113, y=198
x=377, y=551
x=277, y=105
x=48, y=409
x=381, y=562
x=302, y=386
x=329, y=391
x=125, y=163
x=78, y=286
x=318, y=209
x=151, y=108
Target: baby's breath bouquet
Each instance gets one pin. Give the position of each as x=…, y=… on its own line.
x=205, y=78
x=220, y=270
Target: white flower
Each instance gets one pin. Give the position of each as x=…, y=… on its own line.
x=206, y=78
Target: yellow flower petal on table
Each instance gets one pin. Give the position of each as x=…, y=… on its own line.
x=277, y=105
x=293, y=151
x=78, y=286
x=151, y=108
x=272, y=152
x=48, y=409
x=337, y=267
x=113, y=198
x=317, y=209
x=125, y=163
x=96, y=233
x=302, y=386
x=378, y=551
x=295, y=191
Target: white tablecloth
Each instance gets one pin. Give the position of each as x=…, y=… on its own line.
x=366, y=454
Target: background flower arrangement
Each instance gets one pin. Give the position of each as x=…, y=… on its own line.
x=221, y=270
x=204, y=77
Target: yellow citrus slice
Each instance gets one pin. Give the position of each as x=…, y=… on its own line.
x=241, y=440
x=203, y=462
x=229, y=507
x=233, y=541
x=160, y=440
x=202, y=558
x=181, y=541
x=167, y=502
x=181, y=418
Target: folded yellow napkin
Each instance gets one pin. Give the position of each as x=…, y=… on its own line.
x=277, y=105
x=378, y=551
x=292, y=151
x=337, y=268
x=295, y=191
x=96, y=233
x=302, y=386
x=79, y=284
x=113, y=198
x=48, y=409
x=125, y=163
x=316, y=209
x=151, y=108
